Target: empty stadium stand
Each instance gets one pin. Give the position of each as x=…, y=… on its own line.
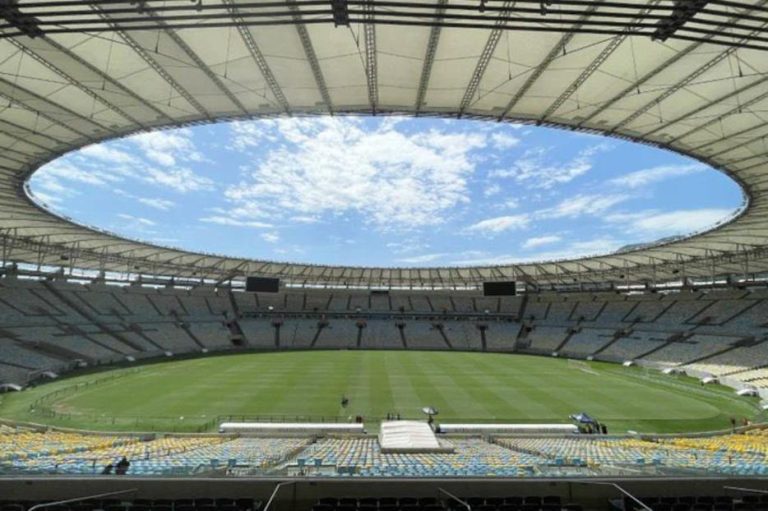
x=56, y=325
x=53, y=452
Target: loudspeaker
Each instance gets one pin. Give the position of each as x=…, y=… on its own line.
x=262, y=285
x=499, y=288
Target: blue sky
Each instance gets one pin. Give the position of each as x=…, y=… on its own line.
x=385, y=191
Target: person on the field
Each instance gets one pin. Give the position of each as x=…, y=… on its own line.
x=107, y=469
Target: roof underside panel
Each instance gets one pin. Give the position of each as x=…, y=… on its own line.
x=403, y=56
x=706, y=97
x=283, y=51
x=455, y=60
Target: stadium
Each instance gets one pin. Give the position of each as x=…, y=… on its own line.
x=139, y=377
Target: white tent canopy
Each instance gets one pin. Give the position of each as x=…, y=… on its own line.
x=290, y=427
x=408, y=436
x=511, y=429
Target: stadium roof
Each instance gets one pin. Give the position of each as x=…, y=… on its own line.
x=685, y=75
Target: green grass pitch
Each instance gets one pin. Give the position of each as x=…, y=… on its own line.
x=190, y=395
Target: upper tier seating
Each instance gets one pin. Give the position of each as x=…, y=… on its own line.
x=546, y=339
x=584, y=343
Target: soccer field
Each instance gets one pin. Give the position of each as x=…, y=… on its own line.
x=192, y=395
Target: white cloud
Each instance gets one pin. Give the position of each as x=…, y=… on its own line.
x=136, y=219
x=485, y=260
x=68, y=171
x=47, y=200
x=672, y=222
x=305, y=219
x=391, y=121
x=153, y=202
x=234, y=222
x=573, y=250
x=421, y=259
x=510, y=204
x=134, y=159
x=247, y=134
x=270, y=237
x=581, y=205
x=503, y=140
x=107, y=153
x=180, y=180
x=492, y=190
x=167, y=147
x=500, y=224
x=333, y=166
x=595, y=246
x=64, y=178
x=50, y=189
x=407, y=246
x=541, y=240
x=164, y=240
x=578, y=249
x=536, y=170
x=644, y=177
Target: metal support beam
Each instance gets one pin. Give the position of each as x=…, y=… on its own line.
x=36, y=103
x=593, y=66
x=739, y=109
x=29, y=132
x=146, y=57
x=429, y=58
x=258, y=58
x=89, y=91
x=707, y=105
x=309, y=51
x=116, y=84
x=733, y=136
x=683, y=12
x=485, y=57
x=553, y=54
x=199, y=64
x=660, y=68
x=371, y=67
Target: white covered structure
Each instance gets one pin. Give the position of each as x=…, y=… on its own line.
x=409, y=436
x=308, y=428
x=511, y=429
